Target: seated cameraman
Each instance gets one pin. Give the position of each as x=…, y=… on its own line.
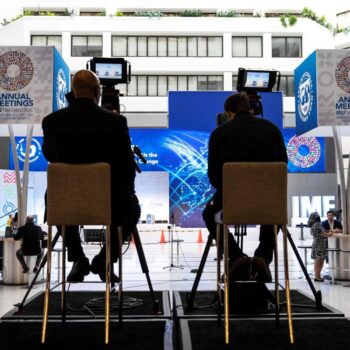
x=86, y=133
x=32, y=235
x=243, y=138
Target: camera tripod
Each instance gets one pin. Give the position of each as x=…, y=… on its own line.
x=240, y=232
x=140, y=254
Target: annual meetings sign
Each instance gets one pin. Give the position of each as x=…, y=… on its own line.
x=33, y=83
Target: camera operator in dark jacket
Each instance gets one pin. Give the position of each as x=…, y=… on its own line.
x=32, y=236
x=87, y=133
x=244, y=138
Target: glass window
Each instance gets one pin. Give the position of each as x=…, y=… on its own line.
x=132, y=46
x=293, y=47
x=152, y=86
x=239, y=47
x=142, y=85
x=86, y=46
x=172, y=83
x=214, y=46
x=192, y=83
x=152, y=46
x=254, y=46
x=192, y=46
x=182, y=47
x=283, y=85
x=39, y=40
x=290, y=86
x=162, y=85
x=234, y=82
x=215, y=82
x=132, y=87
x=119, y=46
x=94, y=47
x=202, y=82
x=182, y=83
x=79, y=44
x=202, y=46
x=172, y=47
x=47, y=40
x=286, y=47
x=142, y=46
x=162, y=47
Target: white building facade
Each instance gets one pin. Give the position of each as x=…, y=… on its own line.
x=169, y=50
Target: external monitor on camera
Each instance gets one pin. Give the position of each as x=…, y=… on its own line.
x=256, y=80
x=111, y=71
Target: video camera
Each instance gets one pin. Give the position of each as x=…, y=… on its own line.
x=111, y=72
x=253, y=82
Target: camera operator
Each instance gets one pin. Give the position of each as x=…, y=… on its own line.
x=86, y=133
x=243, y=138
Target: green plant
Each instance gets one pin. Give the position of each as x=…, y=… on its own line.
x=28, y=13
x=308, y=13
x=102, y=13
x=227, y=13
x=190, y=13
x=46, y=13
x=68, y=12
x=119, y=14
x=148, y=14
x=283, y=21
x=292, y=20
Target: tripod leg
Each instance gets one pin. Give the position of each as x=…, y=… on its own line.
x=42, y=264
x=144, y=266
x=192, y=295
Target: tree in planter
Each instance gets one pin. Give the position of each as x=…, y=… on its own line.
x=190, y=13
x=227, y=13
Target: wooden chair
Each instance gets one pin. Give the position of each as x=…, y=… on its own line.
x=254, y=193
x=79, y=194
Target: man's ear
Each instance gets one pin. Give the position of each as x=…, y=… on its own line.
x=98, y=94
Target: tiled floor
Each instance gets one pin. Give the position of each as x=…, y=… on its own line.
x=189, y=255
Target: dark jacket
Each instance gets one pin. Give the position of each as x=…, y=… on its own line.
x=86, y=133
x=337, y=224
x=32, y=236
x=245, y=138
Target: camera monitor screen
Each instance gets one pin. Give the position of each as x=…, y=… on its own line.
x=109, y=70
x=257, y=80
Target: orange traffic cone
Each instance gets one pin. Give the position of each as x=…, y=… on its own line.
x=200, y=238
x=162, y=237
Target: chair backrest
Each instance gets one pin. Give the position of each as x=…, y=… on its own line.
x=255, y=193
x=78, y=194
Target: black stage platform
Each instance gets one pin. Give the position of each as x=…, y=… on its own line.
x=204, y=307
x=84, y=305
x=248, y=334
x=84, y=335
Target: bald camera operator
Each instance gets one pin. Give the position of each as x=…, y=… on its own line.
x=86, y=133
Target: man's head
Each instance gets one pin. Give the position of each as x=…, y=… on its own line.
x=29, y=219
x=237, y=103
x=330, y=215
x=85, y=84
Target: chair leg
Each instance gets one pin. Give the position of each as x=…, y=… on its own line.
x=226, y=286
x=47, y=290
x=120, y=239
x=108, y=283
x=218, y=272
x=286, y=273
x=63, y=290
x=277, y=293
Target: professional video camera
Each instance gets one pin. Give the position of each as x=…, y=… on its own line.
x=253, y=82
x=111, y=72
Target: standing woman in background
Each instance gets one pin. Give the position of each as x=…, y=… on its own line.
x=319, y=244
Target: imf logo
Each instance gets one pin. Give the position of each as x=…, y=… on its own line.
x=34, y=152
x=61, y=89
x=305, y=96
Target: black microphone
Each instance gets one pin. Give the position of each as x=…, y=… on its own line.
x=138, y=152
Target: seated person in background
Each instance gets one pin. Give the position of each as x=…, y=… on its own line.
x=86, y=133
x=32, y=236
x=319, y=250
x=332, y=225
x=14, y=222
x=9, y=221
x=244, y=138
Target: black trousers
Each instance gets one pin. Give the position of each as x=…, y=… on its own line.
x=266, y=236
x=20, y=256
x=126, y=216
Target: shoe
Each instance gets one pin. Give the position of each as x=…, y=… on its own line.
x=80, y=269
x=318, y=279
x=25, y=270
x=260, y=270
x=98, y=266
x=35, y=270
x=240, y=269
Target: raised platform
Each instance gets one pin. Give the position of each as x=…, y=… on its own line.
x=85, y=305
x=204, y=306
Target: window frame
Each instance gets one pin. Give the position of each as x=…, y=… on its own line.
x=285, y=45
x=246, y=45
x=87, y=43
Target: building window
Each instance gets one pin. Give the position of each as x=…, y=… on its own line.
x=47, y=40
x=83, y=45
x=250, y=46
x=163, y=46
x=287, y=85
x=159, y=85
x=286, y=47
